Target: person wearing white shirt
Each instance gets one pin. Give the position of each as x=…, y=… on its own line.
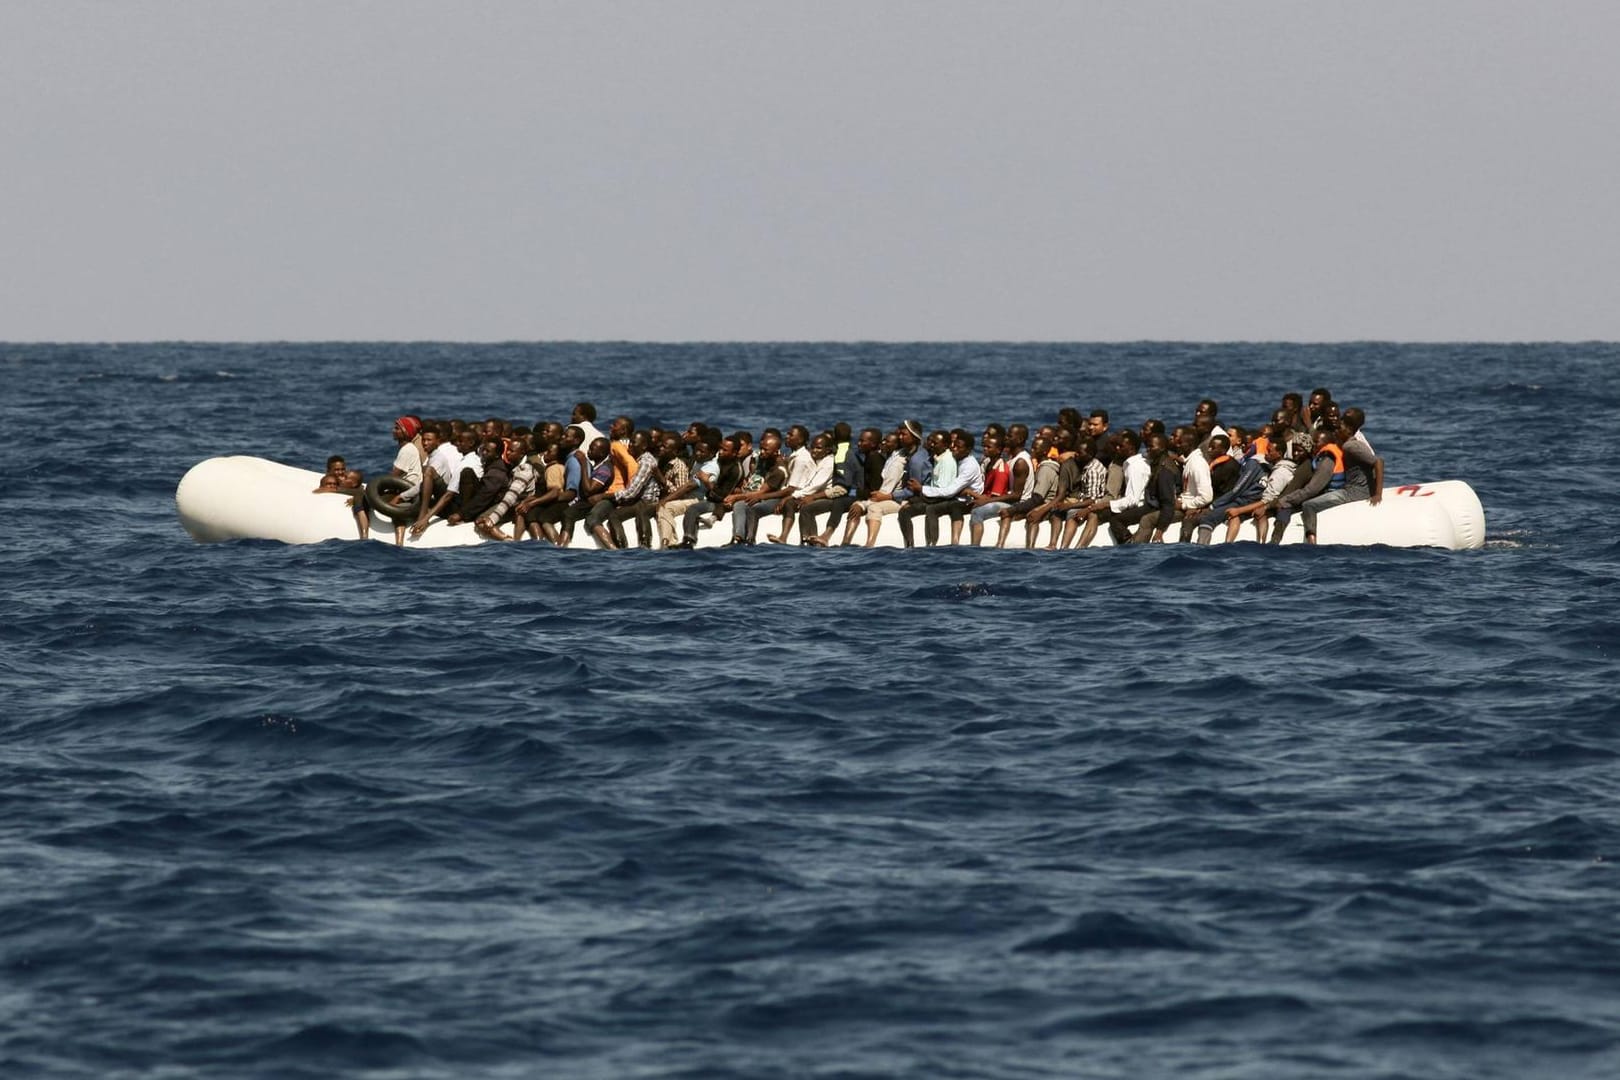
x=1132, y=502
x=881, y=501
x=934, y=501
x=805, y=484
x=448, y=462
x=1197, y=490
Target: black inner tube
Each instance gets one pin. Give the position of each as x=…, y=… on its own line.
x=383, y=488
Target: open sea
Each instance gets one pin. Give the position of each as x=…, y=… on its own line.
x=509, y=811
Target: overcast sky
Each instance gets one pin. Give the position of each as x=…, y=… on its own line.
x=820, y=170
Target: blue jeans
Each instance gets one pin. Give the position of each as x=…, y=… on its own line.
x=1312, y=507
x=987, y=512
x=745, y=517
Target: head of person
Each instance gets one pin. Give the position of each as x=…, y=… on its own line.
x=1330, y=415
x=1097, y=422
x=551, y=431
x=1069, y=417
x=551, y=451
x=1085, y=448
x=513, y=450
x=1207, y=407
x=407, y=428
x=871, y=438
x=939, y=442
x=1291, y=406
x=798, y=435
x=842, y=432
x=1042, y=447
x=1350, y=423
x=1321, y=439
x=1126, y=443
x=1319, y=399
x=584, y=413
x=910, y=435
x=353, y=478
x=1275, y=448
x=640, y=442
x=489, y=450
x=743, y=443
x=1218, y=445
x=466, y=441
x=598, y=450
x=997, y=430
x=820, y=447
x=1150, y=427
x=329, y=482
x=1237, y=436
x=1158, y=445
x=961, y=444
x=891, y=443
x=1203, y=425
x=430, y=438
x=727, y=450
x=671, y=447
x=770, y=448
x=1017, y=436
x=336, y=466
x=621, y=427
x=573, y=437
x=1183, y=440
x=992, y=447
x=702, y=450
x=1064, y=440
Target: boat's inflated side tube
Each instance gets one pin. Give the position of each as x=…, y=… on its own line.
x=380, y=491
x=249, y=498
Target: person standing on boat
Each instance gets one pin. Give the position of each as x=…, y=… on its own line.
x=1101, y=438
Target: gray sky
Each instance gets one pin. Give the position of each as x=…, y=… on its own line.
x=820, y=170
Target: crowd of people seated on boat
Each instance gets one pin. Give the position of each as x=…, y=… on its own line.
x=1066, y=481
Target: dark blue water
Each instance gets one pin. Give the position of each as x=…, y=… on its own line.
x=501, y=811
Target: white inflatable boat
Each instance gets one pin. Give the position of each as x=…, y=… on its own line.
x=249, y=498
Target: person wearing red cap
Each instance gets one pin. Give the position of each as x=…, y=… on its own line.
x=409, y=464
